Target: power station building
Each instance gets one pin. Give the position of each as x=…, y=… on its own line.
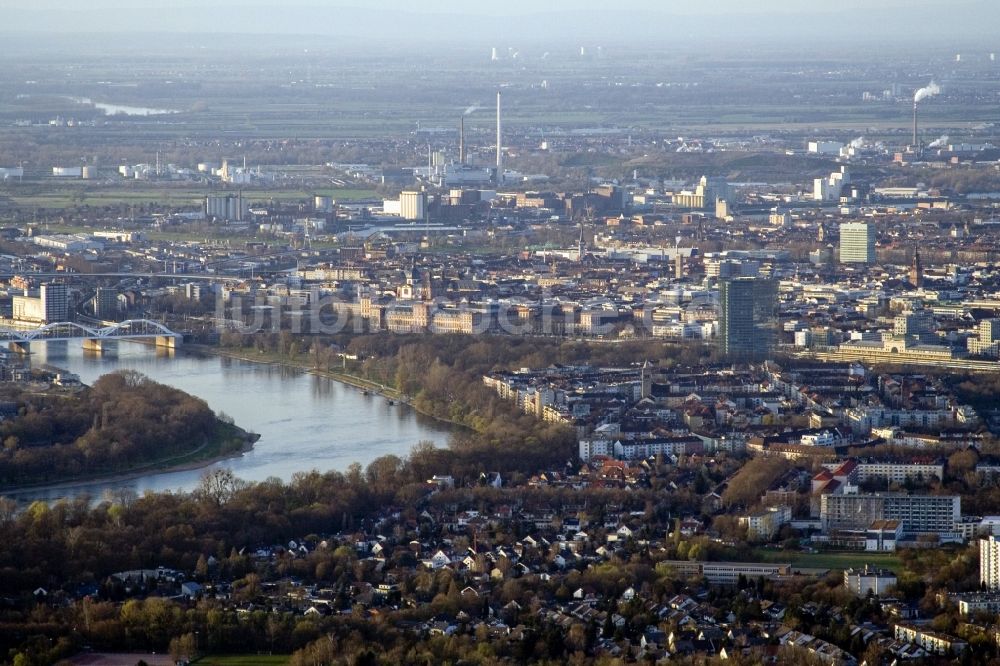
x=705, y=194
x=832, y=187
x=857, y=243
x=412, y=205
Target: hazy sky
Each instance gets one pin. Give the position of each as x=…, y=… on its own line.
x=704, y=22
x=506, y=7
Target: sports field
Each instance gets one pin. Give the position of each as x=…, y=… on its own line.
x=832, y=560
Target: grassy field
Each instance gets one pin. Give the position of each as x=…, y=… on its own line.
x=832, y=560
x=243, y=660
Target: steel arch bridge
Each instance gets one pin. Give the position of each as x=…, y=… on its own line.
x=132, y=329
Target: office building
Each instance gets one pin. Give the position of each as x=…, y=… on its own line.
x=857, y=243
x=987, y=342
x=105, y=303
x=746, y=318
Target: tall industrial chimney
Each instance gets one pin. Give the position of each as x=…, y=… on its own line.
x=915, y=145
x=461, y=141
x=499, y=144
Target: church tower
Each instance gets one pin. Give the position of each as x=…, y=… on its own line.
x=646, y=376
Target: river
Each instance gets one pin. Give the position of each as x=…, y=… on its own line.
x=305, y=422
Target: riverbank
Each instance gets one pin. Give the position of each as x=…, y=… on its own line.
x=265, y=358
x=221, y=447
x=344, y=378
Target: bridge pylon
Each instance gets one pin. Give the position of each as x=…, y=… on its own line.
x=168, y=341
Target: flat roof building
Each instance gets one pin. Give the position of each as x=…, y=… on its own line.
x=857, y=243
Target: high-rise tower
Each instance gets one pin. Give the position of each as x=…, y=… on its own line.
x=857, y=243
x=746, y=318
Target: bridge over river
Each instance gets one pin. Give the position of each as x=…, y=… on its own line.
x=20, y=339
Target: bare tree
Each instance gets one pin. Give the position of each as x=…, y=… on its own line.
x=219, y=485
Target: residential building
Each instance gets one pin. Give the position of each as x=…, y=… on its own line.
x=976, y=602
x=869, y=580
x=918, y=513
x=893, y=471
x=932, y=641
x=989, y=562
x=764, y=525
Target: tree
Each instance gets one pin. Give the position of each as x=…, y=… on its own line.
x=201, y=567
x=747, y=485
x=182, y=648
x=219, y=486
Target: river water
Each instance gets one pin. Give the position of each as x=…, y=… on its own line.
x=305, y=422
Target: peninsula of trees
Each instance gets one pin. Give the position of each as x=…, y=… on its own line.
x=125, y=422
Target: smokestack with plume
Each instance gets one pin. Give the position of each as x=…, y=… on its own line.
x=461, y=140
x=461, y=133
x=499, y=145
x=939, y=142
x=929, y=90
